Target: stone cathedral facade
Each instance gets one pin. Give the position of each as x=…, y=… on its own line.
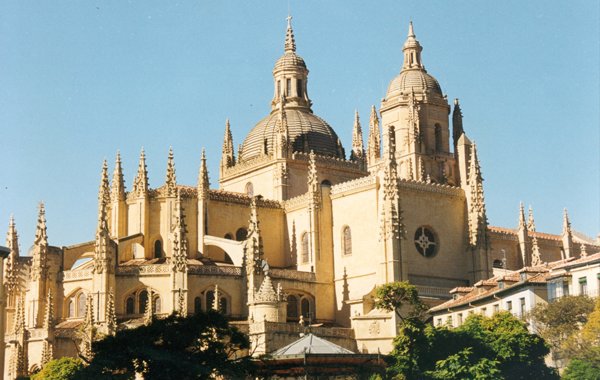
x=295, y=232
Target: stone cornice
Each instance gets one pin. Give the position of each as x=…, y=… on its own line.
x=354, y=185
x=425, y=187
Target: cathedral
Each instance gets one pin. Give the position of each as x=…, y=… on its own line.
x=296, y=233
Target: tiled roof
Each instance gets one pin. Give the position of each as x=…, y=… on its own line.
x=580, y=261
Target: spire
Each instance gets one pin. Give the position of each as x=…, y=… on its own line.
x=104, y=192
x=266, y=292
x=140, y=183
x=530, y=220
x=227, y=158
x=88, y=328
x=171, y=178
x=567, y=236
x=290, y=43
x=19, y=318
x=374, y=143
x=111, y=315
x=414, y=121
x=18, y=361
x=203, y=180
x=178, y=236
x=358, y=151
x=522, y=223
x=11, y=275
x=118, y=183
x=39, y=261
x=47, y=352
x=391, y=226
x=412, y=51
x=253, y=249
x=457, y=123
x=88, y=317
x=49, y=312
x=181, y=304
x=477, y=213
x=281, y=140
x=102, y=245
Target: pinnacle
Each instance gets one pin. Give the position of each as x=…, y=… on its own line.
x=411, y=31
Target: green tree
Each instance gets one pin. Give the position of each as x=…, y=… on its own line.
x=582, y=370
x=557, y=321
x=401, y=297
x=59, y=369
x=203, y=346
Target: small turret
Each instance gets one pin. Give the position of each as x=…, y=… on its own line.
x=140, y=183
x=227, y=157
x=412, y=51
x=171, y=178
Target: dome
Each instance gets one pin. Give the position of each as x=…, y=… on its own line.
x=288, y=60
x=306, y=131
x=414, y=80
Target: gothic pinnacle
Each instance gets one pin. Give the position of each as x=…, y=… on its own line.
x=203, y=179
x=41, y=236
x=358, y=150
x=522, y=223
x=12, y=238
x=374, y=143
x=104, y=191
x=118, y=183
x=228, y=157
x=411, y=31
x=140, y=184
x=290, y=43
x=171, y=179
x=530, y=220
x=566, y=223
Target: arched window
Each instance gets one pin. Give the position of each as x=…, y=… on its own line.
x=305, y=308
x=292, y=306
x=158, y=249
x=326, y=182
x=439, y=146
x=305, y=247
x=288, y=87
x=249, y=189
x=143, y=300
x=130, y=305
x=241, y=234
x=80, y=304
x=157, y=305
x=210, y=299
x=346, y=241
x=228, y=236
x=223, y=305
x=71, y=308
x=197, y=305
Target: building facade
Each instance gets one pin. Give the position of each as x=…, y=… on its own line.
x=297, y=230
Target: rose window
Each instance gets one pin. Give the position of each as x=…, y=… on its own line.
x=426, y=242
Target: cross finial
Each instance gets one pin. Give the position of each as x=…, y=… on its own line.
x=289, y=21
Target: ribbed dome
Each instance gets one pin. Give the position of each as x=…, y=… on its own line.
x=417, y=80
x=289, y=59
x=304, y=128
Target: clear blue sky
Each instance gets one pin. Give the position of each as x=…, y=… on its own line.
x=81, y=79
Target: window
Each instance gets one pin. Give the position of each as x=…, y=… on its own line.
x=156, y=305
x=305, y=308
x=292, y=306
x=305, y=247
x=496, y=308
x=460, y=318
x=288, y=87
x=210, y=299
x=250, y=187
x=223, y=305
x=299, y=88
x=438, y=322
x=439, y=145
x=158, y=249
x=346, y=241
x=509, y=306
x=197, y=305
x=583, y=288
x=130, y=305
x=449, y=321
x=241, y=234
x=426, y=241
x=498, y=264
x=71, y=308
x=81, y=305
x=522, y=306
x=483, y=311
x=278, y=89
x=143, y=300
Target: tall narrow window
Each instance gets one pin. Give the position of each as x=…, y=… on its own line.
x=158, y=249
x=299, y=88
x=81, y=305
x=583, y=288
x=439, y=146
x=305, y=247
x=143, y=300
x=346, y=241
x=210, y=299
x=129, y=305
x=278, y=89
x=522, y=306
x=197, y=305
x=157, y=305
x=249, y=189
x=292, y=306
x=305, y=306
x=71, y=308
x=223, y=305
x=288, y=87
